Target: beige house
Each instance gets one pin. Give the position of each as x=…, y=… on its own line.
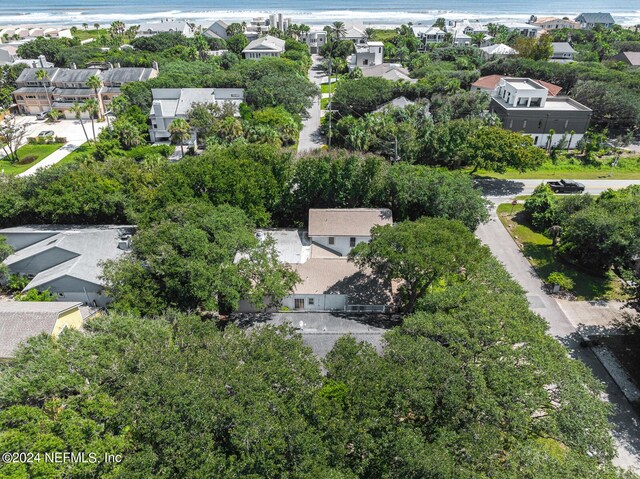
x=21, y=320
x=62, y=87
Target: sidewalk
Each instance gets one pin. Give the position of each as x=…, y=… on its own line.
x=624, y=420
x=310, y=138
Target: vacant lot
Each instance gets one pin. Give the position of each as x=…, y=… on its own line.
x=538, y=249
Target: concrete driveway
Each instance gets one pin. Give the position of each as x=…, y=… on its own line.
x=69, y=129
x=310, y=137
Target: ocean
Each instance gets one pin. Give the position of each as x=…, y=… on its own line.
x=312, y=12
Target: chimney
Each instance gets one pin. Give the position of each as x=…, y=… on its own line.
x=109, y=66
x=43, y=61
x=73, y=66
x=155, y=66
x=117, y=65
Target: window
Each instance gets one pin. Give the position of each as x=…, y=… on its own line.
x=524, y=124
x=352, y=242
x=332, y=240
x=312, y=301
x=566, y=124
x=298, y=303
x=510, y=123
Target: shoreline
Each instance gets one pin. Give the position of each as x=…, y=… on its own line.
x=378, y=19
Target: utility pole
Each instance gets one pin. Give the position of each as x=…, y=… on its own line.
x=330, y=117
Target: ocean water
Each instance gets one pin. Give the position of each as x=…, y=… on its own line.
x=313, y=12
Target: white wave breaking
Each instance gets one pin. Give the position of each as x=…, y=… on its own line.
x=378, y=18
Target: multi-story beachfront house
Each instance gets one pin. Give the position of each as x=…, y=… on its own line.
x=524, y=105
x=62, y=87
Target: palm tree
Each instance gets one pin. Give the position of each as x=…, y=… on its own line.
x=550, y=139
x=493, y=29
x=369, y=32
x=179, y=130
x=91, y=106
x=54, y=115
x=42, y=75
x=571, y=133
x=337, y=30
x=95, y=83
x=77, y=109
x=85, y=25
x=96, y=26
x=477, y=38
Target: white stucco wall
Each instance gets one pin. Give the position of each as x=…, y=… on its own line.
x=342, y=244
x=557, y=138
x=321, y=302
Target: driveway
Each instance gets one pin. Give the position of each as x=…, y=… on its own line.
x=626, y=424
x=310, y=137
x=69, y=129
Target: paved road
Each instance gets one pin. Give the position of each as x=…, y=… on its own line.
x=495, y=188
x=626, y=424
x=310, y=137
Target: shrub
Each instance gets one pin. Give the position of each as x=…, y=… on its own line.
x=17, y=282
x=560, y=279
x=35, y=295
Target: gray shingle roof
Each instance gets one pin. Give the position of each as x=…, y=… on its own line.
x=21, y=320
x=598, y=17
x=90, y=245
x=562, y=47
x=124, y=75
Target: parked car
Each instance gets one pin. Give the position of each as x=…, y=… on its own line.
x=566, y=186
x=46, y=133
x=43, y=115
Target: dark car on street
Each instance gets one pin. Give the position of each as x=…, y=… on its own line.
x=566, y=186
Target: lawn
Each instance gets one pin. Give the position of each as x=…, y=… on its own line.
x=628, y=169
x=39, y=152
x=324, y=103
x=82, y=34
x=537, y=249
x=77, y=154
x=324, y=88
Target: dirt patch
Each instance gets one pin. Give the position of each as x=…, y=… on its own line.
x=27, y=160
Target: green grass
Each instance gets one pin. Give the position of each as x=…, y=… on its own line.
x=537, y=249
x=383, y=34
x=324, y=88
x=82, y=34
x=39, y=151
x=324, y=103
x=572, y=168
x=77, y=154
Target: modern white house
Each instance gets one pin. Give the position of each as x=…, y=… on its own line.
x=171, y=103
x=329, y=282
x=315, y=39
x=66, y=260
x=267, y=46
x=588, y=21
x=562, y=51
x=166, y=26
x=369, y=54
x=524, y=105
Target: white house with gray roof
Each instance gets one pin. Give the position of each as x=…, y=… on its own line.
x=562, y=52
x=267, y=46
x=171, y=103
x=166, y=26
x=66, y=260
x=590, y=20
